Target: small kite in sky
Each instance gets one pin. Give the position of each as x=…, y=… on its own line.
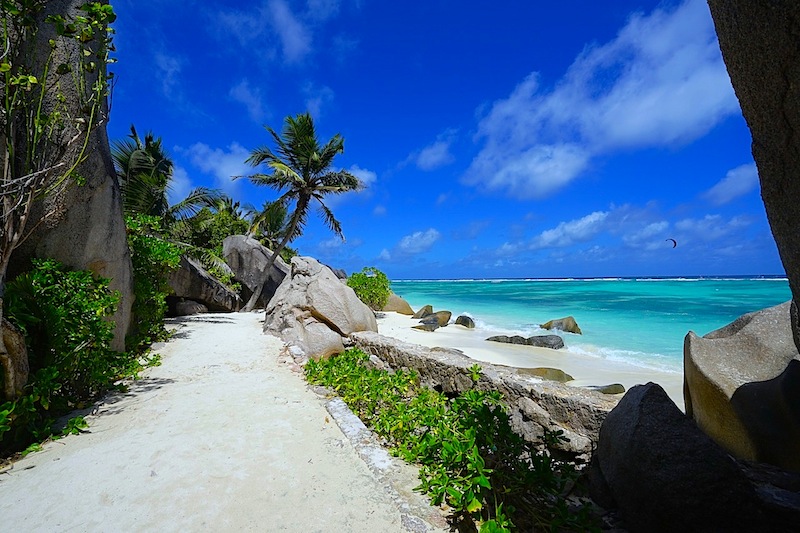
x=674, y=242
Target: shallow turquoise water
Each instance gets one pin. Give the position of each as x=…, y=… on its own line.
x=641, y=321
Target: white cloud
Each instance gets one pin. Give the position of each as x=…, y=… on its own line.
x=660, y=82
x=222, y=164
x=385, y=255
x=367, y=177
x=295, y=37
x=180, y=185
x=169, y=71
x=568, y=233
x=316, y=98
x=737, y=182
x=709, y=228
x=379, y=211
x=418, y=242
x=434, y=156
x=323, y=9
x=251, y=98
x=650, y=237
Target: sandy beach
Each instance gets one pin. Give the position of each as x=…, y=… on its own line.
x=585, y=369
x=220, y=437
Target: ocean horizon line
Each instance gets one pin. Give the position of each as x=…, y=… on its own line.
x=752, y=277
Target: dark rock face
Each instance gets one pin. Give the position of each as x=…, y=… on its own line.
x=759, y=43
x=423, y=312
x=88, y=229
x=14, y=363
x=465, y=321
x=442, y=317
x=248, y=260
x=192, y=282
x=554, y=342
x=664, y=474
x=187, y=307
x=567, y=324
x=742, y=387
x=427, y=326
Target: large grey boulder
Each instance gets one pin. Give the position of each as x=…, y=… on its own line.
x=248, y=260
x=666, y=475
x=742, y=387
x=554, y=342
x=397, y=305
x=759, y=43
x=192, y=282
x=312, y=309
x=466, y=321
x=87, y=229
x=423, y=311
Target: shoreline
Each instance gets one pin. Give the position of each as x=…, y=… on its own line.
x=587, y=370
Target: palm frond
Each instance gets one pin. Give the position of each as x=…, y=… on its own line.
x=196, y=200
x=330, y=220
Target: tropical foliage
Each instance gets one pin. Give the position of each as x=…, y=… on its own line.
x=301, y=169
x=371, y=286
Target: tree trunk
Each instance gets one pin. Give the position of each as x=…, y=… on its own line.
x=760, y=43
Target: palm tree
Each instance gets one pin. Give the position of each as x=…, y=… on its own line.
x=144, y=170
x=301, y=171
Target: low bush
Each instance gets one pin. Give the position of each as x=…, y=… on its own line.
x=469, y=456
x=371, y=286
x=153, y=258
x=63, y=315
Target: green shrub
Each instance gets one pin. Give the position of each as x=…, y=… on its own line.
x=469, y=456
x=153, y=258
x=371, y=286
x=64, y=317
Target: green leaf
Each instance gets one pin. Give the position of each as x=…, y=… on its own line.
x=474, y=505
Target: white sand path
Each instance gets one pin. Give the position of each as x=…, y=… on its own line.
x=220, y=437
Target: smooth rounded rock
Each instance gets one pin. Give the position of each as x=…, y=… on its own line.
x=567, y=324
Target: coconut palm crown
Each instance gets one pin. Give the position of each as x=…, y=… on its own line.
x=301, y=169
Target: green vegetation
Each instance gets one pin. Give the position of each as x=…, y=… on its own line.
x=469, y=457
x=63, y=315
x=153, y=258
x=302, y=171
x=44, y=135
x=371, y=286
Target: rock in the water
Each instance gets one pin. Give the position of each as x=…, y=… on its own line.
x=550, y=374
x=615, y=388
x=742, y=387
x=567, y=324
x=192, y=282
x=313, y=310
x=465, y=321
x=397, y=305
x=189, y=307
x=248, y=260
x=442, y=317
x=14, y=364
x=665, y=474
x=554, y=342
x=427, y=326
x=423, y=312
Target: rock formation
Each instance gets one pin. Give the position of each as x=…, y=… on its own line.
x=614, y=388
x=567, y=324
x=742, y=387
x=183, y=307
x=550, y=374
x=534, y=404
x=440, y=318
x=554, y=342
x=248, y=259
x=664, y=474
x=87, y=230
x=192, y=282
x=423, y=312
x=759, y=43
x=465, y=321
x=14, y=363
x=397, y=305
x=312, y=310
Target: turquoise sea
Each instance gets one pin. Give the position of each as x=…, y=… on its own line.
x=642, y=321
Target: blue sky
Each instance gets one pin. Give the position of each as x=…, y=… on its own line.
x=529, y=139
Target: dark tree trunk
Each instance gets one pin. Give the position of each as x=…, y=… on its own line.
x=760, y=43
